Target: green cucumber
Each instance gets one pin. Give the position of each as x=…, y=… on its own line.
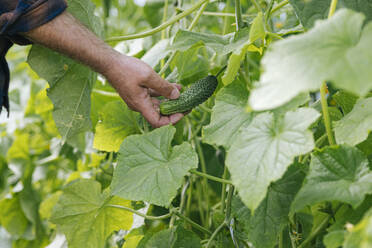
x=196, y=94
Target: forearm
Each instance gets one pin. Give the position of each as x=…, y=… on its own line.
x=68, y=36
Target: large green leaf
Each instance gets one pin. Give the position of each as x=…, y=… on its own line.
x=228, y=116
x=309, y=11
x=360, y=236
x=336, y=50
x=264, y=226
x=356, y=125
x=83, y=215
x=263, y=151
x=117, y=121
x=70, y=82
x=336, y=173
x=149, y=169
x=176, y=237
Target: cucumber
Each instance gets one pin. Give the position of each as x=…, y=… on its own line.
x=196, y=94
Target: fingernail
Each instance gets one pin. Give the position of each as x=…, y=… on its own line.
x=175, y=94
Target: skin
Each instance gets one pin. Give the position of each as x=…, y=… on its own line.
x=135, y=81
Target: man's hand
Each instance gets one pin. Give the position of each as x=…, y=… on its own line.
x=136, y=83
x=134, y=80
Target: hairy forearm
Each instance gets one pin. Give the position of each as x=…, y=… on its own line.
x=68, y=36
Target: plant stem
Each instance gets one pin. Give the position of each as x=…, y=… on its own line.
x=238, y=15
x=279, y=6
x=320, y=228
x=106, y=93
x=165, y=13
x=221, y=14
x=194, y=224
x=160, y=27
x=183, y=196
x=256, y=5
x=205, y=180
x=323, y=90
x=320, y=141
x=203, y=4
x=326, y=118
x=213, y=178
x=198, y=15
x=161, y=217
x=218, y=229
x=280, y=245
x=223, y=190
x=163, y=32
x=268, y=14
x=228, y=204
x=200, y=200
x=332, y=8
x=277, y=36
x=189, y=196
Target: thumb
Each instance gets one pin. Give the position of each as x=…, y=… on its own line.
x=163, y=87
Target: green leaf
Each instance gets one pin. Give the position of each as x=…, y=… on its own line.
x=222, y=45
x=70, y=88
x=83, y=215
x=194, y=67
x=360, y=236
x=184, y=39
x=334, y=239
x=263, y=151
x=70, y=82
x=149, y=169
x=309, y=11
x=338, y=173
x=47, y=205
x=102, y=94
x=256, y=32
x=356, y=125
x=117, y=122
x=335, y=50
x=345, y=100
x=176, y=237
x=84, y=11
x=228, y=115
x=348, y=215
x=12, y=217
x=269, y=219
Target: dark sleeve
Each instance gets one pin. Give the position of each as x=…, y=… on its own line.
x=17, y=17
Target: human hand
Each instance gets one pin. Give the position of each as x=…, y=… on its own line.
x=136, y=82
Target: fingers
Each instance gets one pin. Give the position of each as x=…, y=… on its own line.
x=154, y=93
x=148, y=108
x=162, y=87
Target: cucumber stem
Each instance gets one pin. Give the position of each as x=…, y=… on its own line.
x=220, y=71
